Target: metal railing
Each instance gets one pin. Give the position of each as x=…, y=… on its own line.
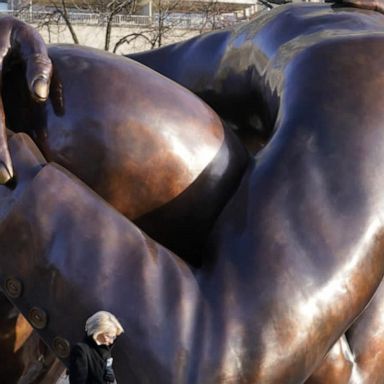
x=185, y=21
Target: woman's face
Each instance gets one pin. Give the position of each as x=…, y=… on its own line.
x=107, y=338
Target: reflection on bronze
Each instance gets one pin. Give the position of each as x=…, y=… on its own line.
x=337, y=366
x=277, y=254
x=13, y=287
x=38, y=318
x=61, y=347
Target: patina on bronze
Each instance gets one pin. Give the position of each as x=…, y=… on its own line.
x=295, y=254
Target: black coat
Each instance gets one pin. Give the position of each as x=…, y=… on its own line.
x=87, y=362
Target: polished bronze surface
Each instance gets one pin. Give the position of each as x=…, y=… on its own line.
x=336, y=367
x=156, y=153
x=292, y=239
x=366, y=340
x=316, y=32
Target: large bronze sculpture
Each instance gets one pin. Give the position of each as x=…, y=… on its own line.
x=279, y=255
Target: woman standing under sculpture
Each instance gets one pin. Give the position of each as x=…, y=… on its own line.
x=91, y=360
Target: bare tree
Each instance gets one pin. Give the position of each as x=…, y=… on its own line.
x=131, y=37
x=68, y=11
x=164, y=20
x=60, y=10
x=170, y=16
x=108, y=10
x=210, y=12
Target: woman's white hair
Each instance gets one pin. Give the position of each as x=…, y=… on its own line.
x=102, y=322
